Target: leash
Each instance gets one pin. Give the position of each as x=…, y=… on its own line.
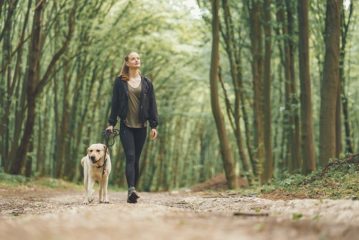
x=109, y=137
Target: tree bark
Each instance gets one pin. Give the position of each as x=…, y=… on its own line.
x=227, y=158
x=293, y=98
x=257, y=75
x=308, y=152
x=344, y=99
x=267, y=80
x=330, y=83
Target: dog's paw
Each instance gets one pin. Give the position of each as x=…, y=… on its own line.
x=105, y=202
x=90, y=199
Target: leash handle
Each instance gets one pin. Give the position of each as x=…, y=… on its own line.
x=110, y=136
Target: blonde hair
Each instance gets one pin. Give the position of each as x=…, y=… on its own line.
x=125, y=69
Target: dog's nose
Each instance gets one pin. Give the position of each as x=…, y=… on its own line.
x=93, y=159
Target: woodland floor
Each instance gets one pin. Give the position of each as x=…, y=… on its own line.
x=30, y=212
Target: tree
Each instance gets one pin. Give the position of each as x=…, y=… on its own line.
x=227, y=158
x=330, y=83
x=345, y=24
x=234, y=54
x=308, y=153
x=35, y=83
x=256, y=48
x=32, y=78
x=267, y=103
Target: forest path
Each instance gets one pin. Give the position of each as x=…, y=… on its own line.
x=32, y=213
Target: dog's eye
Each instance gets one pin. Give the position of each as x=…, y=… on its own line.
x=90, y=150
x=97, y=150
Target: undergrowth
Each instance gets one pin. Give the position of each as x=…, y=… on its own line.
x=13, y=181
x=338, y=180
x=8, y=181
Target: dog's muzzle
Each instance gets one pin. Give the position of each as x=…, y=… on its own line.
x=93, y=159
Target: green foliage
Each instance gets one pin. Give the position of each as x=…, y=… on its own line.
x=338, y=180
x=11, y=180
x=297, y=216
x=8, y=180
x=54, y=183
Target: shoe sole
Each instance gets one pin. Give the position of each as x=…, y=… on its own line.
x=132, y=198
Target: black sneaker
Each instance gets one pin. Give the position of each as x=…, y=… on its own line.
x=132, y=196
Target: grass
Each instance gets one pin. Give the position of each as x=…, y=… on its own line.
x=339, y=180
x=13, y=181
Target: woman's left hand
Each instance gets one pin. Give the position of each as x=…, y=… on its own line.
x=154, y=133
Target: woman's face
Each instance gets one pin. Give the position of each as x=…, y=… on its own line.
x=134, y=60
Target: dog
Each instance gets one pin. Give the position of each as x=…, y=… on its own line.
x=97, y=167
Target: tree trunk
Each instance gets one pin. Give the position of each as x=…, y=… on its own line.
x=344, y=99
x=257, y=75
x=267, y=81
x=32, y=74
x=291, y=118
x=234, y=57
x=330, y=83
x=308, y=152
x=338, y=123
x=293, y=99
x=226, y=152
x=6, y=83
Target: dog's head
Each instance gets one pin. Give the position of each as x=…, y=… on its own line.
x=96, y=152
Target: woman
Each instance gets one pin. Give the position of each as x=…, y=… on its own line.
x=134, y=102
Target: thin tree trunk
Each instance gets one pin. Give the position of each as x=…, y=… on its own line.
x=308, y=152
x=295, y=141
x=344, y=99
x=227, y=158
x=330, y=83
x=267, y=81
x=236, y=75
x=257, y=75
x=7, y=82
x=291, y=119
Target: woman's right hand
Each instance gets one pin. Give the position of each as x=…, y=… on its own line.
x=109, y=129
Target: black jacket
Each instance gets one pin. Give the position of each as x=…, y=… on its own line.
x=148, y=106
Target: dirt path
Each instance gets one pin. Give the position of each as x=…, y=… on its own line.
x=27, y=213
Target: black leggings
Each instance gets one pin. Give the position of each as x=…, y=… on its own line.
x=132, y=140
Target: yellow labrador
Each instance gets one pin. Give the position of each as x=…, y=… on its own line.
x=97, y=167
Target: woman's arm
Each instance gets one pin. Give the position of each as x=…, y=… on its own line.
x=112, y=120
x=153, y=115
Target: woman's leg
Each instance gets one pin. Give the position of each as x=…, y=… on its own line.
x=128, y=143
x=140, y=138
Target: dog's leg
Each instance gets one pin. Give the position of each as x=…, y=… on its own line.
x=90, y=189
x=100, y=192
x=86, y=177
x=104, y=187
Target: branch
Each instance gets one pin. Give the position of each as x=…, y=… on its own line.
x=250, y=214
x=45, y=79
